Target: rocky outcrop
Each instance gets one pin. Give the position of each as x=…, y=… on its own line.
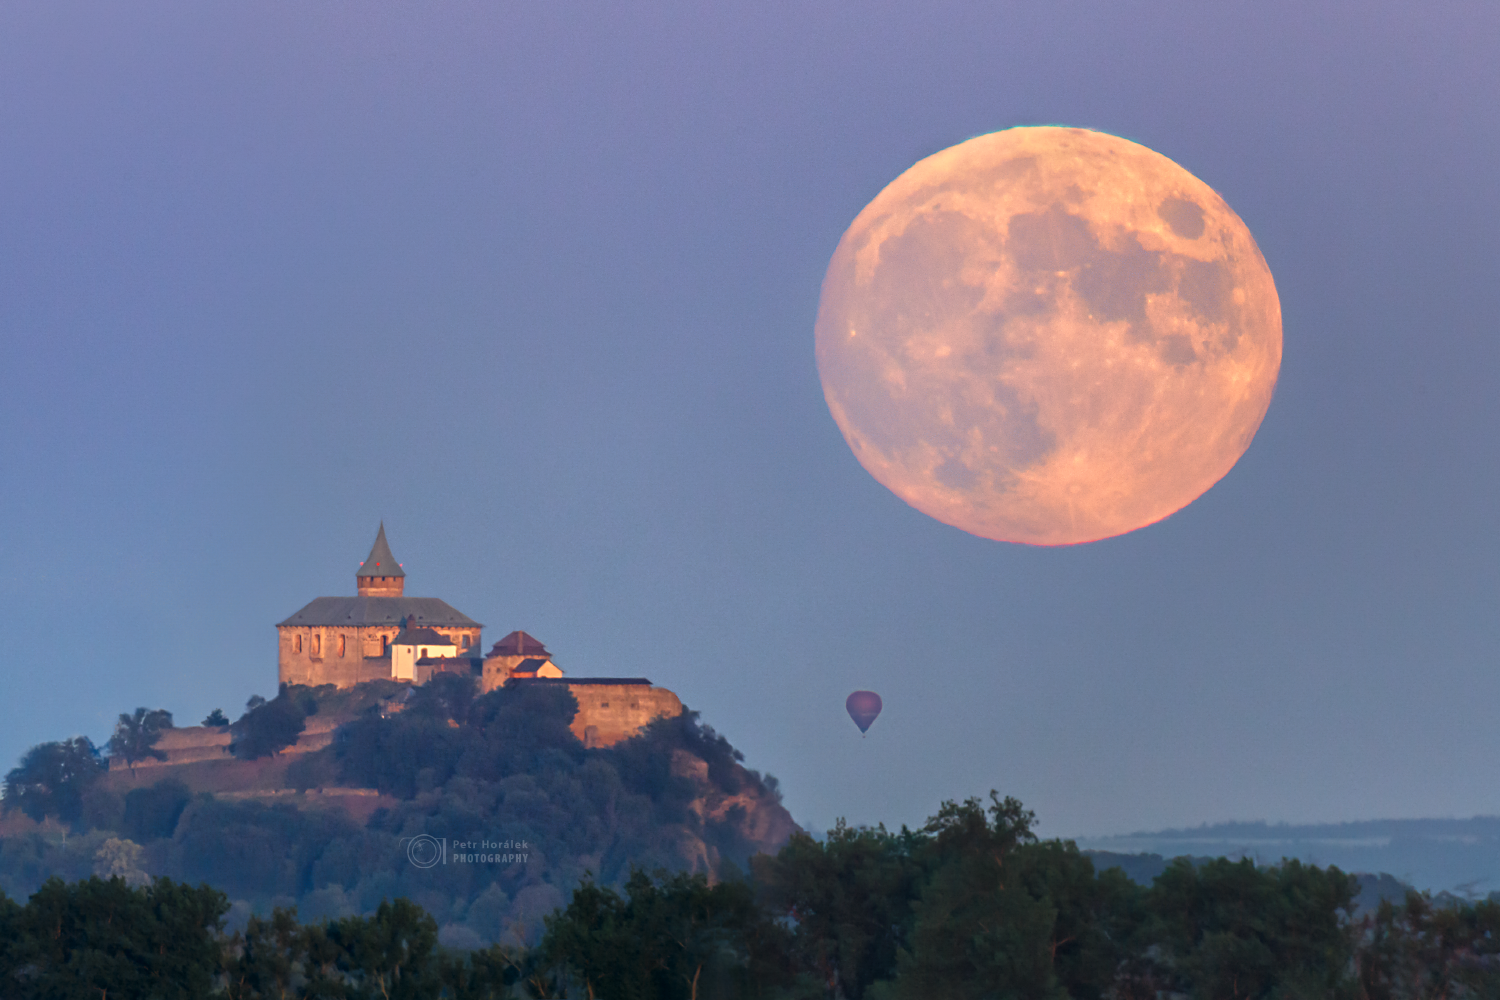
x=729, y=826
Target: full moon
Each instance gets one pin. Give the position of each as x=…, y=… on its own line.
x=1048, y=335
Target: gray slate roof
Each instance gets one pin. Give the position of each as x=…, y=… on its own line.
x=423, y=611
x=530, y=665
x=380, y=562
x=416, y=635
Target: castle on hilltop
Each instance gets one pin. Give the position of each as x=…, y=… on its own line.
x=348, y=640
x=381, y=634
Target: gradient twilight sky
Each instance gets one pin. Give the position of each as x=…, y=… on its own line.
x=536, y=282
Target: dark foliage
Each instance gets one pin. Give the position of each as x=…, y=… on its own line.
x=255, y=851
x=391, y=955
x=216, y=718
x=104, y=939
x=1419, y=950
x=152, y=813
x=271, y=726
x=98, y=938
x=850, y=897
x=975, y=906
x=52, y=779
x=445, y=697
x=513, y=730
x=673, y=937
x=1231, y=929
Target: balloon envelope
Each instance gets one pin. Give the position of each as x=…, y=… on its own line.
x=863, y=707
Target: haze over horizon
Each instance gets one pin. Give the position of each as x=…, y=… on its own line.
x=536, y=285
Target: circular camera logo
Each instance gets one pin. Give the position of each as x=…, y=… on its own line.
x=425, y=851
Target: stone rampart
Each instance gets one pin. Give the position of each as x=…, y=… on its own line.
x=611, y=709
x=194, y=743
x=183, y=746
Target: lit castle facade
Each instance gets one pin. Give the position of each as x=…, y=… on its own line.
x=381, y=634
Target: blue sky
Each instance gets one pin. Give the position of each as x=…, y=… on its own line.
x=535, y=283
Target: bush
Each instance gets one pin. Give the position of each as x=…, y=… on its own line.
x=153, y=812
x=271, y=726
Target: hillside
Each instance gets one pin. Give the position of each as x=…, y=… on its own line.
x=486, y=810
x=1455, y=855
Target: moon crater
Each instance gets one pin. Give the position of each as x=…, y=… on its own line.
x=1048, y=335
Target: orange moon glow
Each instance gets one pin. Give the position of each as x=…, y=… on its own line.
x=1048, y=335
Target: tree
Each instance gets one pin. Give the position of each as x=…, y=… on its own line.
x=153, y=812
x=389, y=955
x=977, y=929
x=1421, y=950
x=263, y=961
x=672, y=936
x=103, y=938
x=1231, y=930
x=136, y=735
x=122, y=859
x=271, y=726
x=216, y=718
x=849, y=898
x=445, y=697
x=52, y=778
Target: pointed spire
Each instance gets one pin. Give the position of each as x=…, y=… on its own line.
x=380, y=575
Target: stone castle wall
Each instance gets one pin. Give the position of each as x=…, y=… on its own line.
x=344, y=673
x=184, y=746
x=609, y=713
x=190, y=744
x=314, y=655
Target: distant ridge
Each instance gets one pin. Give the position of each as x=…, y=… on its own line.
x=1454, y=855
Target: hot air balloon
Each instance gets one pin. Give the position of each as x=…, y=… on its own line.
x=863, y=707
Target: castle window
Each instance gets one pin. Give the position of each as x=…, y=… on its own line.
x=341, y=645
x=317, y=644
x=385, y=645
x=604, y=704
x=297, y=643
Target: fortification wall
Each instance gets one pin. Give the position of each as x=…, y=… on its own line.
x=190, y=744
x=345, y=672
x=609, y=713
x=183, y=746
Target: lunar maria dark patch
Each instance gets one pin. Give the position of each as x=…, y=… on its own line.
x=1183, y=216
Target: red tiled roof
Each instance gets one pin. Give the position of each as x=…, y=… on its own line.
x=519, y=644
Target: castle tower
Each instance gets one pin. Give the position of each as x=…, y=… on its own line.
x=349, y=640
x=380, y=575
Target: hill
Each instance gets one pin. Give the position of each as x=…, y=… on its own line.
x=1454, y=855
x=485, y=810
